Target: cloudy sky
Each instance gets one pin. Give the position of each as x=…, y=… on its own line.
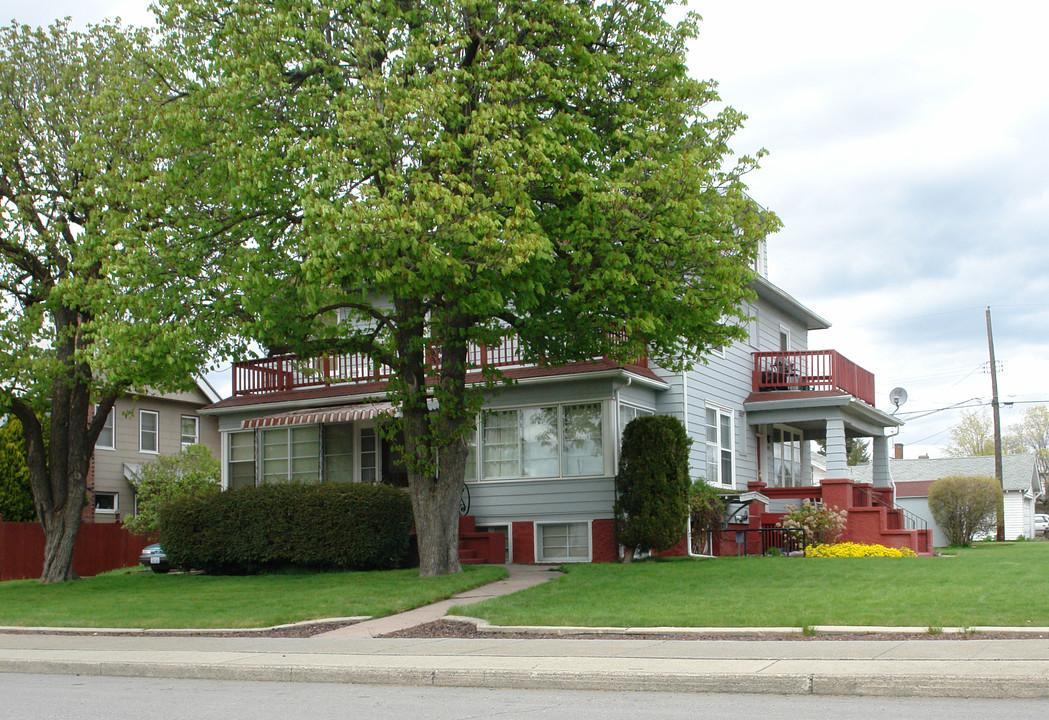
x=908, y=153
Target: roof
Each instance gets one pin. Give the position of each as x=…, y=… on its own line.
x=782, y=300
x=1019, y=472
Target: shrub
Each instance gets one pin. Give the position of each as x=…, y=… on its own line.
x=821, y=523
x=651, y=507
x=706, y=507
x=851, y=549
x=354, y=526
x=193, y=472
x=964, y=505
x=708, y=513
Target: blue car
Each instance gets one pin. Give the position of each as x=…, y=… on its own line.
x=154, y=558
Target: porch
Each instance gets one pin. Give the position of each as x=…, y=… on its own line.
x=285, y=373
x=811, y=371
x=873, y=517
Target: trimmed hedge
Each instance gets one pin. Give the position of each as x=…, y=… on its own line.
x=651, y=508
x=354, y=526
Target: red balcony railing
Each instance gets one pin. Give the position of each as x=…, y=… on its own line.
x=812, y=370
x=287, y=372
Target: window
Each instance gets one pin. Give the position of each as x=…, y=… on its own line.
x=107, y=438
x=107, y=503
x=784, y=338
x=148, y=431
x=628, y=413
x=338, y=453
x=786, y=457
x=291, y=455
x=369, y=456
x=190, y=430
x=241, y=470
x=563, y=542
x=554, y=441
x=720, y=459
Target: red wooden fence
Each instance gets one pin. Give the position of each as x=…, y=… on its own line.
x=99, y=547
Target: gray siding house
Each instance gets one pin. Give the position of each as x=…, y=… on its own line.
x=141, y=427
x=545, y=450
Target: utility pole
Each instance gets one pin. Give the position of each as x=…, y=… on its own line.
x=997, y=430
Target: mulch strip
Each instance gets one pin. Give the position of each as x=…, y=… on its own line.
x=456, y=629
x=465, y=630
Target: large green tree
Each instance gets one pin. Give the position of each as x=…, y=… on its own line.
x=455, y=172
x=74, y=107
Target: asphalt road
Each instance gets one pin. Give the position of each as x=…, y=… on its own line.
x=31, y=697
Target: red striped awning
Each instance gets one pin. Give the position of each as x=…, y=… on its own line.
x=317, y=416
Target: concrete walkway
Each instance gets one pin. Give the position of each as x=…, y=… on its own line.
x=521, y=577
x=911, y=668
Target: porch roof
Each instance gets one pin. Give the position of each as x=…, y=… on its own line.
x=317, y=416
x=810, y=409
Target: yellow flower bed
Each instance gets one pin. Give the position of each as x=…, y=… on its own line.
x=851, y=549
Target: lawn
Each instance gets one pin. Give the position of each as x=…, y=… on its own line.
x=990, y=584
x=141, y=599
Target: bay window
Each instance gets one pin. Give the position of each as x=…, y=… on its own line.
x=534, y=442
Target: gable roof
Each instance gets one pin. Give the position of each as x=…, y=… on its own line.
x=1019, y=472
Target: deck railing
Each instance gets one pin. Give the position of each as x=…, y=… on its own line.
x=287, y=372
x=812, y=370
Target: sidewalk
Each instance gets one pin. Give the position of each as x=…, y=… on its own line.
x=901, y=668
x=911, y=668
x=521, y=577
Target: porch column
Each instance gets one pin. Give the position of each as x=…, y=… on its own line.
x=880, y=462
x=837, y=457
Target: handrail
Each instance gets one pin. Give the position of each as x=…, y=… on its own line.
x=910, y=520
x=280, y=373
x=811, y=370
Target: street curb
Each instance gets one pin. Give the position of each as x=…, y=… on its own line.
x=569, y=630
x=957, y=686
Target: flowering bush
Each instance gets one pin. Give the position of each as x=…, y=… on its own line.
x=821, y=523
x=851, y=549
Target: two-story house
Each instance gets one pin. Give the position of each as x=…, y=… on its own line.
x=140, y=428
x=543, y=460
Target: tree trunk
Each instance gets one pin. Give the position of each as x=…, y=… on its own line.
x=58, y=469
x=436, y=438
x=61, y=528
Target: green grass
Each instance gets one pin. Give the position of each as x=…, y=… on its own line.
x=141, y=599
x=990, y=584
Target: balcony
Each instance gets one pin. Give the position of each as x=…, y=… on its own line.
x=287, y=372
x=813, y=370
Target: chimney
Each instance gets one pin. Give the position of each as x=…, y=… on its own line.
x=898, y=448
x=923, y=457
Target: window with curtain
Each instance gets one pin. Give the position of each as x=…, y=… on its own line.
x=241, y=469
x=291, y=454
x=552, y=441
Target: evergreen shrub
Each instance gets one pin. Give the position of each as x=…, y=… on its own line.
x=354, y=526
x=651, y=509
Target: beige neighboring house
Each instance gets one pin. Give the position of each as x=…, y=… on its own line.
x=141, y=427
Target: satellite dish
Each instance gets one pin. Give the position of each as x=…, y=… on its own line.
x=898, y=397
